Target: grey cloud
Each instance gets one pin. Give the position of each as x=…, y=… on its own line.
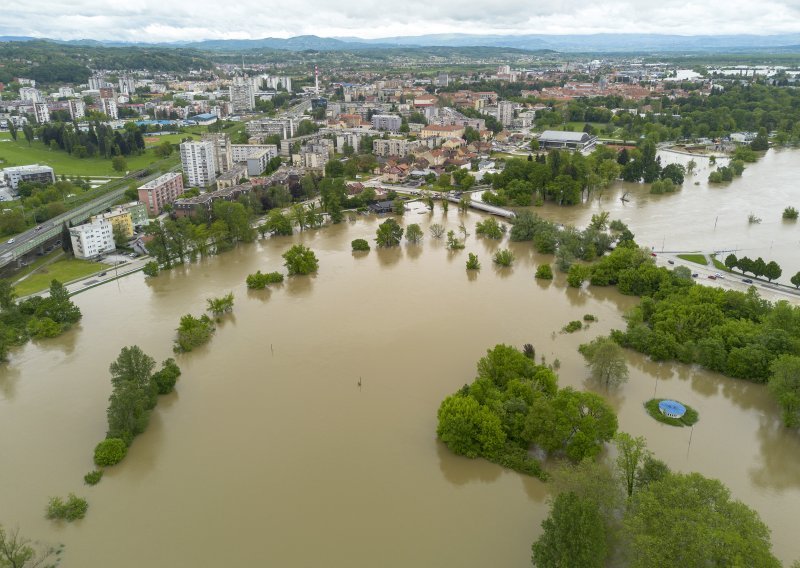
x=159, y=20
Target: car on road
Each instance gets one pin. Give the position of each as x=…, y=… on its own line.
x=695, y=275
x=747, y=280
x=102, y=273
x=10, y=241
x=653, y=254
x=718, y=275
x=670, y=262
x=712, y=277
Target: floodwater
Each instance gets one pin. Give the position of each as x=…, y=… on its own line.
x=709, y=217
x=269, y=453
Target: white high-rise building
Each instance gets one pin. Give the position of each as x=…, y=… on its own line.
x=127, y=85
x=66, y=91
x=198, y=163
x=109, y=108
x=77, y=109
x=223, y=160
x=242, y=95
x=92, y=239
x=42, y=112
x=30, y=95
x=505, y=112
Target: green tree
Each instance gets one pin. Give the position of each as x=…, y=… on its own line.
x=503, y=257
x=573, y=535
x=784, y=385
x=772, y=271
x=151, y=268
x=490, y=228
x=468, y=428
x=544, y=272
x=731, y=261
x=795, y=280
x=17, y=551
x=7, y=294
x=27, y=130
x=389, y=233
x=472, y=262
x=193, y=332
x=71, y=509
x=606, y=360
x=132, y=366
x=573, y=422
x=689, y=520
x=128, y=412
x=277, y=223
x=359, y=245
x=397, y=207
x=119, y=164
x=631, y=455
x=222, y=305
x=577, y=274
x=414, y=233
x=300, y=260
x=110, y=451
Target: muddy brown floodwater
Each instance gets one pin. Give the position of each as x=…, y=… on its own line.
x=269, y=454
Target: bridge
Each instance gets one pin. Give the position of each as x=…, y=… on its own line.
x=34, y=239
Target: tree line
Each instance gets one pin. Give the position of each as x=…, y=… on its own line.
x=99, y=140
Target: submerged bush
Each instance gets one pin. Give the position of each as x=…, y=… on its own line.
x=110, y=452
x=70, y=510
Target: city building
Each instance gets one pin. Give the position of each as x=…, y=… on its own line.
x=505, y=112
x=92, y=239
x=222, y=151
x=77, y=109
x=33, y=173
x=108, y=106
x=283, y=127
x=241, y=152
x=120, y=220
x=232, y=177
x=566, y=140
x=197, y=159
x=42, y=112
x=30, y=95
x=257, y=162
x=388, y=122
x=434, y=130
x=161, y=191
x=205, y=201
x=242, y=95
x=391, y=147
x=127, y=85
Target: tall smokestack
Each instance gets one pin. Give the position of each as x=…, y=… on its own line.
x=316, y=79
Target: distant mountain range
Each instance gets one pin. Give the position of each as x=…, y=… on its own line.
x=598, y=43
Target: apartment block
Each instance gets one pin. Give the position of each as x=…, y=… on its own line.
x=223, y=159
x=33, y=173
x=391, y=147
x=388, y=122
x=197, y=159
x=161, y=191
x=92, y=239
x=240, y=152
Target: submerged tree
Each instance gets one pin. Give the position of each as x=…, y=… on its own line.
x=606, y=360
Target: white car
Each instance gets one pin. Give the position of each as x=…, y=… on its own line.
x=10, y=241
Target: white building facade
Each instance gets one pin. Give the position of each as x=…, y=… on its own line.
x=197, y=159
x=92, y=239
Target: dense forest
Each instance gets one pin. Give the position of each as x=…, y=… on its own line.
x=50, y=62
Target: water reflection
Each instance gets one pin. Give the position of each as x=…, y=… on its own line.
x=9, y=375
x=413, y=251
x=300, y=286
x=774, y=470
x=459, y=470
x=389, y=256
x=472, y=275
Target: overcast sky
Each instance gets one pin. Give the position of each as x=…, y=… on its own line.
x=173, y=20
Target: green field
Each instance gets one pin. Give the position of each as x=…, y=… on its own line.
x=719, y=265
x=64, y=271
x=696, y=258
x=18, y=153
x=578, y=126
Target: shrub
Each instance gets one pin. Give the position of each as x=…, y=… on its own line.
x=589, y=317
x=544, y=272
x=166, y=378
x=437, y=230
x=93, y=477
x=790, y=213
x=151, y=268
x=109, y=452
x=300, y=260
x=259, y=280
x=360, y=245
x=504, y=257
x=193, y=332
x=572, y=326
x=472, y=262
x=72, y=509
x=490, y=228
